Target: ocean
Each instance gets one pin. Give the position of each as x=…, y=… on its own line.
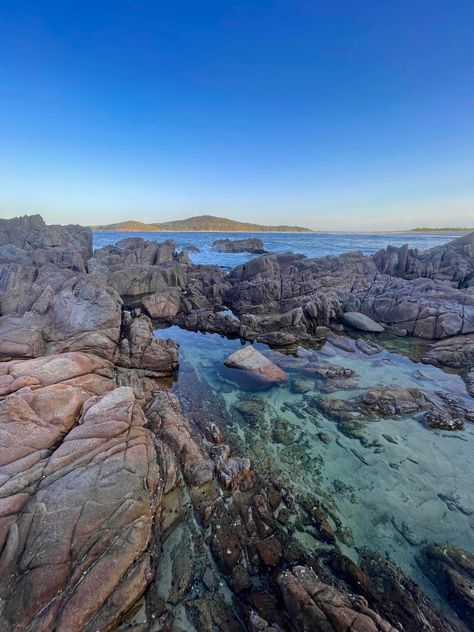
x=309, y=244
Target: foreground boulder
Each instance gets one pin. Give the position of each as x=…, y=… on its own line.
x=253, y=362
x=76, y=553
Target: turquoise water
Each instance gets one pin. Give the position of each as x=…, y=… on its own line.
x=394, y=487
x=309, y=244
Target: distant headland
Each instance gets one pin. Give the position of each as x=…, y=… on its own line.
x=200, y=223
x=422, y=229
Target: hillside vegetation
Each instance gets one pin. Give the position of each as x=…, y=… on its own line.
x=201, y=223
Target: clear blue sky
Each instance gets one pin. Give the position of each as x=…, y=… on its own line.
x=335, y=114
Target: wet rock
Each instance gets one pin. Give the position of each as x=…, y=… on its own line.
x=277, y=338
x=252, y=245
x=469, y=379
x=329, y=371
x=443, y=420
x=314, y=605
x=390, y=401
x=456, y=352
x=252, y=361
x=452, y=571
x=233, y=471
x=367, y=346
x=356, y=320
x=269, y=550
x=345, y=344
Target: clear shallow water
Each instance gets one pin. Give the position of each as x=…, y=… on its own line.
x=385, y=490
x=309, y=244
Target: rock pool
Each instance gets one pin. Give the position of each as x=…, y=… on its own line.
x=391, y=485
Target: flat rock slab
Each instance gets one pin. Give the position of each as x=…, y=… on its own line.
x=362, y=322
x=249, y=359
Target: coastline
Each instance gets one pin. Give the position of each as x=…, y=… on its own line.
x=218, y=429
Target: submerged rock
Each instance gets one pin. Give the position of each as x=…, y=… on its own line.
x=283, y=432
x=300, y=386
x=367, y=346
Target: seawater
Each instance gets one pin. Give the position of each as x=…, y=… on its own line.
x=402, y=487
x=309, y=244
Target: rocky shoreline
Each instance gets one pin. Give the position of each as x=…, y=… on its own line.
x=125, y=506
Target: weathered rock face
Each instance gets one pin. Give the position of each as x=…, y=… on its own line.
x=452, y=262
x=293, y=294
x=252, y=245
x=31, y=233
x=252, y=361
x=75, y=556
x=163, y=305
x=26, y=240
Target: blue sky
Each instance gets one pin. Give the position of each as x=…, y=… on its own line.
x=333, y=115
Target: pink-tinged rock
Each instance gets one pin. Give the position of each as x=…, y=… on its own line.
x=313, y=605
x=78, y=551
x=162, y=305
x=58, y=368
x=251, y=360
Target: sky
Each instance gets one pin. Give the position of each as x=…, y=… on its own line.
x=340, y=114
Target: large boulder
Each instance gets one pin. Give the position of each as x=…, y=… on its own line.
x=361, y=322
x=253, y=362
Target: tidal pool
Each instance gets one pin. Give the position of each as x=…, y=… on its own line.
x=392, y=487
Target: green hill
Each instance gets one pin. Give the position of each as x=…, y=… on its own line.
x=200, y=223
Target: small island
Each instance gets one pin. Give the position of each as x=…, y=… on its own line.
x=199, y=223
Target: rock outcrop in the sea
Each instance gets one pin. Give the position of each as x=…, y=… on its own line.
x=296, y=294
x=453, y=262
x=251, y=244
x=125, y=506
